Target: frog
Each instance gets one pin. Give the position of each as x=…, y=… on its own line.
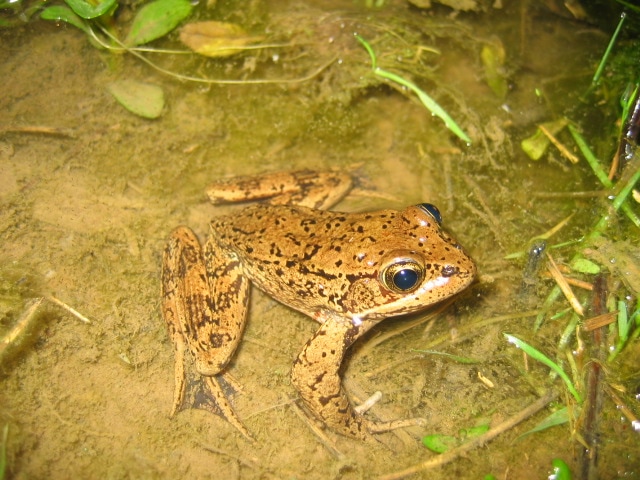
x=346, y=271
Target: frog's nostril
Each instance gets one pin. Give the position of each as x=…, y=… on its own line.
x=448, y=271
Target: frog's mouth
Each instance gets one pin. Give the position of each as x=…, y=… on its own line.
x=434, y=283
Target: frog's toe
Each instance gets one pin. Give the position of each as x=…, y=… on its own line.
x=207, y=393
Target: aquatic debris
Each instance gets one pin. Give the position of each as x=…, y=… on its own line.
x=142, y=99
x=216, y=39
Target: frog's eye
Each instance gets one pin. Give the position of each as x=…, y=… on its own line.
x=405, y=275
x=431, y=210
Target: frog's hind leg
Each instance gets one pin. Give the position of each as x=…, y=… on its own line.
x=198, y=319
x=308, y=188
x=315, y=375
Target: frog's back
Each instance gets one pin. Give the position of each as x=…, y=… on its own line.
x=312, y=259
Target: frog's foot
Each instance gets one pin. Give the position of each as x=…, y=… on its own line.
x=208, y=393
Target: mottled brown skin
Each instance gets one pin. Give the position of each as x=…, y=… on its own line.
x=333, y=267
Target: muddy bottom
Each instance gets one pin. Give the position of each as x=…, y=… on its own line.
x=89, y=193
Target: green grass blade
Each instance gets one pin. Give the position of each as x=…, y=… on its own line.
x=592, y=160
x=607, y=52
x=426, y=100
x=542, y=358
x=3, y=451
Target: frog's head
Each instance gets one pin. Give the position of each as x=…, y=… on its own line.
x=416, y=266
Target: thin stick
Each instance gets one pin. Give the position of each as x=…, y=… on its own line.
x=549, y=233
x=328, y=444
x=451, y=455
x=626, y=411
x=20, y=326
x=69, y=309
x=570, y=156
x=564, y=286
x=599, y=321
x=38, y=129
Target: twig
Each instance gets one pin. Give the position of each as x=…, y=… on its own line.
x=563, y=150
x=487, y=213
x=599, y=321
x=626, y=411
x=20, y=326
x=451, y=455
x=328, y=444
x=38, y=129
x=564, y=286
x=69, y=309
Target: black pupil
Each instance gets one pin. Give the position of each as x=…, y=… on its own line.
x=405, y=279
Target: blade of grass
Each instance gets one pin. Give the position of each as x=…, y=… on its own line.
x=429, y=103
x=3, y=450
x=542, y=358
x=607, y=52
x=593, y=162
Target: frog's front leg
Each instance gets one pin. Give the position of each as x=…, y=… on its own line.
x=204, y=303
x=315, y=375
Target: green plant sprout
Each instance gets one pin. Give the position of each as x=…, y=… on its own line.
x=542, y=358
x=426, y=100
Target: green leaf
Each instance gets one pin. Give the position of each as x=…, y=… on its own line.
x=493, y=59
x=60, y=13
x=440, y=443
x=156, y=19
x=583, y=265
x=476, y=431
x=143, y=99
x=88, y=11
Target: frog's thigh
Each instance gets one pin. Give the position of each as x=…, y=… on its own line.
x=308, y=188
x=192, y=312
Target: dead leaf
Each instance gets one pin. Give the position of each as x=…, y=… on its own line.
x=216, y=39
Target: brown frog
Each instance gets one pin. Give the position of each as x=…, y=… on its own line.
x=347, y=271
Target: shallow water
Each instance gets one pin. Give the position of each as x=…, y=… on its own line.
x=86, y=211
